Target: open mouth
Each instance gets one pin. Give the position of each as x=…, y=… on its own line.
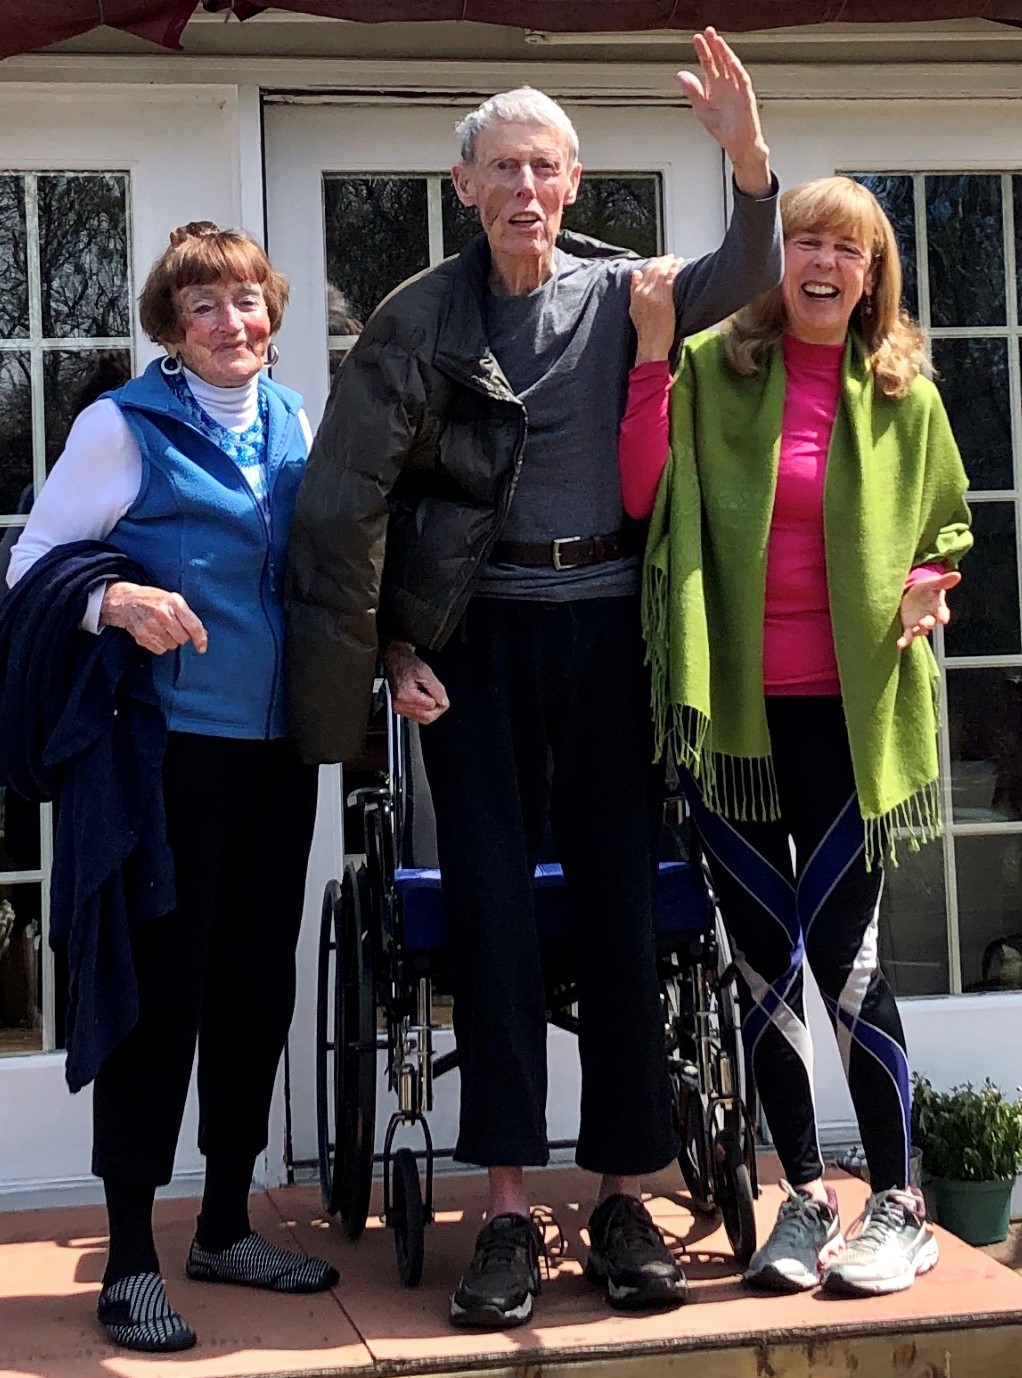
x=820, y=291
x=524, y=221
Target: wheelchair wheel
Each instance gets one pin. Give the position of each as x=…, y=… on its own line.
x=407, y=1216
x=738, y=1121
x=692, y=1130
x=733, y=1194
x=346, y=1050
x=327, y=1025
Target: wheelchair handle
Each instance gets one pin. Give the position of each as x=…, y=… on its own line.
x=368, y=794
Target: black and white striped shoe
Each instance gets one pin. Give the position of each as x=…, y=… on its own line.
x=135, y=1313
x=255, y=1262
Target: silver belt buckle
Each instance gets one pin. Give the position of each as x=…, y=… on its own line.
x=561, y=541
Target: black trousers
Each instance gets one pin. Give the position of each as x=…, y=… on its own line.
x=220, y=969
x=550, y=715
x=824, y=910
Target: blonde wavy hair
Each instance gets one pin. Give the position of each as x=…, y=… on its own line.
x=895, y=345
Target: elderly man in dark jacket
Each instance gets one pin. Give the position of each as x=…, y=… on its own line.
x=461, y=516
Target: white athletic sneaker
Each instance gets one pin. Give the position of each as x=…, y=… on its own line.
x=805, y=1238
x=890, y=1246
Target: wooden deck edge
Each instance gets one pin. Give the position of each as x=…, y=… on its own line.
x=983, y=1351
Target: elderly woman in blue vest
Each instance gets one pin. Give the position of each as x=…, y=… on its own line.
x=191, y=470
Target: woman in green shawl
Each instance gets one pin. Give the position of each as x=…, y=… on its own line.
x=803, y=538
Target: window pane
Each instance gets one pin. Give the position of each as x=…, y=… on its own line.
x=20, y=966
x=973, y=381
x=619, y=210
x=990, y=911
x=895, y=194
x=83, y=255
x=19, y=832
x=985, y=718
x=1016, y=183
x=460, y=223
x=913, y=923
x=13, y=259
x=72, y=378
x=623, y=210
x=377, y=235
x=965, y=239
x=15, y=428
x=984, y=606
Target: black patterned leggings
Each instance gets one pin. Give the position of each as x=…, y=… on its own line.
x=823, y=909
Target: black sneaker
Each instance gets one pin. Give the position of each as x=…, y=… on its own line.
x=497, y=1288
x=629, y=1259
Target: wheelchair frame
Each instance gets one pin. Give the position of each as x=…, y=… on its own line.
x=367, y=977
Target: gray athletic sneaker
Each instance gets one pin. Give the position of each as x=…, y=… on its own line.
x=805, y=1238
x=891, y=1245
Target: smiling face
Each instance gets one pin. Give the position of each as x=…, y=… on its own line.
x=520, y=179
x=225, y=331
x=825, y=276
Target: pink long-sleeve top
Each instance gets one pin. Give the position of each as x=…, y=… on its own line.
x=798, y=639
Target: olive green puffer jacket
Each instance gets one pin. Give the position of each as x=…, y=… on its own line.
x=408, y=484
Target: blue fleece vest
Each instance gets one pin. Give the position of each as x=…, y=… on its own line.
x=197, y=529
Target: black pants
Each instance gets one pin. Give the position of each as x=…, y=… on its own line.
x=533, y=685
x=220, y=968
x=824, y=910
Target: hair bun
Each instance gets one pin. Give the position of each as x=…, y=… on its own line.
x=195, y=229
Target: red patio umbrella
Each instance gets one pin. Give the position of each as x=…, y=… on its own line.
x=26, y=25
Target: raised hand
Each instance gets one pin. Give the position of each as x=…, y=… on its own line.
x=724, y=103
x=652, y=307
x=923, y=606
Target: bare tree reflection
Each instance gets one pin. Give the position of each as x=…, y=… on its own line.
x=377, y=234
x=965, y=243
x=13, y=259
x=83, y=255
x=15, y=427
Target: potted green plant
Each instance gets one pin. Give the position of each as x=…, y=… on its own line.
x=971, y=1140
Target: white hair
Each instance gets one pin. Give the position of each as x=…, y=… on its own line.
x=524, y=105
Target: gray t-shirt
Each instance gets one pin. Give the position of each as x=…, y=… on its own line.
x=565, y=350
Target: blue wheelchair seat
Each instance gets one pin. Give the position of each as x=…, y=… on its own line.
x=682, y=905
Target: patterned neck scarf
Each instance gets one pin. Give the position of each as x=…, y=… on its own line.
x=247, y=448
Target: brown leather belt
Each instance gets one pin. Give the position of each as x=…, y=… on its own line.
x=568, y=552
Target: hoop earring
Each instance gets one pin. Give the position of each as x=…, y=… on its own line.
x=171, y=366
x=272, y=355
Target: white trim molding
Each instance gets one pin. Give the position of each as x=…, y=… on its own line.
x=461, y=82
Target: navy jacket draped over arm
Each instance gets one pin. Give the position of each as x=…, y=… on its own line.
x=80, y=724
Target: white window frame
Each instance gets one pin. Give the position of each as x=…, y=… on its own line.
x=1011, y=333
x=34, y=344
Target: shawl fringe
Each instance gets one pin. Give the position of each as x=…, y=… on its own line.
x=915, y=821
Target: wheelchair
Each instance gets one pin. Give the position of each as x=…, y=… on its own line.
x=382, y=946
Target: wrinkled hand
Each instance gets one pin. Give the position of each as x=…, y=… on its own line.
x=724, y=103
x=415, y=691
x=159, y=621
x=924, y=605
x=652, y=307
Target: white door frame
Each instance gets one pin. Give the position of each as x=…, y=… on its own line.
x=179, y=146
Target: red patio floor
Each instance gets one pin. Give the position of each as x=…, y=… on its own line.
x=962, y=1320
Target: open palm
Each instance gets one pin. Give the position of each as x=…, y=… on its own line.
x=723, y=102
x=924, y=606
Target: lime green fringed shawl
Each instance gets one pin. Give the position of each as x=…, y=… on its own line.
x=893, y=499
